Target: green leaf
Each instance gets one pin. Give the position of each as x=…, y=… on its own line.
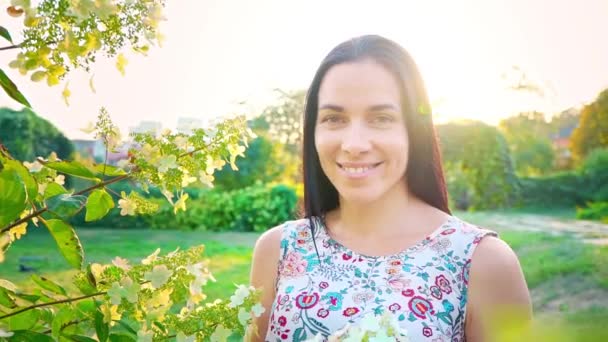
x=72, y=168
x=101, y=328
x=67, y=241
x=13, y=196
x=53, y=189
x=99, y=204
x=5, y=299
x=80, y=338
x=66, y=205
x=11, y=89
x=127, y=327
x=110, y=170
x=48, y=284
x=28, y=180
x=62, y=317
x=30, y=298
x=24, y=321
x=121, y=338
x=4, y=33
x=28, y=336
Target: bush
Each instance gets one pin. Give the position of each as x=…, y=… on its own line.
x=570, y=188
x=254, y=208
x=27, y=136
x=594, y=211
x=557, y=190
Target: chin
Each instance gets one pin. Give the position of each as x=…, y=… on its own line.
x=360, y=196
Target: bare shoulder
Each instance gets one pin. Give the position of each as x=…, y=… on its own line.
x=266, y=254
x=492, y=255
x=264, y=270
x=496, y=286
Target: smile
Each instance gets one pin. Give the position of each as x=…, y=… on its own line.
x=358, y=169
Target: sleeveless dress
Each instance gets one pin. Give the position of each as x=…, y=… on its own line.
x=425, y=285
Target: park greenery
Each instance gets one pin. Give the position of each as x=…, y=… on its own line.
x=202, y=182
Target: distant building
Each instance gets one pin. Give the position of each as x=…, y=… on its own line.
x=153, y=127
x=90, y=148
x=96, y=149
x=186, y=125
x=561, y=140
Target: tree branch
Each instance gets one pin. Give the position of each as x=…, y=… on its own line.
x=18, y=46
x=68, y=300
x=43, y=210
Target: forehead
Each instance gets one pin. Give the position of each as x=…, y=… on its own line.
x=361, y=83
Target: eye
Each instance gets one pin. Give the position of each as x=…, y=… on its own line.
x=332, y=119
x=383, y=119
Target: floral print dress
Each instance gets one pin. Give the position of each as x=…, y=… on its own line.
x=425, y=285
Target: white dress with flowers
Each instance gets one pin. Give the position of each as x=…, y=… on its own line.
x=424, y=286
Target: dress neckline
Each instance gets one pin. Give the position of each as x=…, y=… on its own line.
x=423, y=242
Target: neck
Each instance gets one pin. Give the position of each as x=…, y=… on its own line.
x=383, y=217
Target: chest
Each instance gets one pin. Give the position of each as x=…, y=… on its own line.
x=321, y=294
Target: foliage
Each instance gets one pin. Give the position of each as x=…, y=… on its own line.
x=153, y=300
x=284, y=119
x=27, y=135
x=527, y=135
x=592, y=132
x=255, y=208
x=594, y=211
x=262, y=164
x=569, y=188
x=63, y=35
x=480, y=154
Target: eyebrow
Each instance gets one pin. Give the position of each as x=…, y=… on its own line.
x=374, y=108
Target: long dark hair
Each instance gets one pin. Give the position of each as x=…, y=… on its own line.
x=424, y=174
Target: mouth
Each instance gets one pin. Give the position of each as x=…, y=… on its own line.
x=358, y=168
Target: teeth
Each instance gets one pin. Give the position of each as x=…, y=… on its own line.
x=357, y=169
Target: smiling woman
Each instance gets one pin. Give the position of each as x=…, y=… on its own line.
x=378, y=237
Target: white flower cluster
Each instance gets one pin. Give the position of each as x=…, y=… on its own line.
x=372, y=328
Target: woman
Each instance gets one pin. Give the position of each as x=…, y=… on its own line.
x=377, y=234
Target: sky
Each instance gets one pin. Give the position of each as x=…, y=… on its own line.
x=224, y=56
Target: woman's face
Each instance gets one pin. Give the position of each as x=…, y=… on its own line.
x=360, y=132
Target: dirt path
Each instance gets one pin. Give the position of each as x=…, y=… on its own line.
x=588, y=231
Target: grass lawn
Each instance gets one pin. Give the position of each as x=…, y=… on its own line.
x=567, y=278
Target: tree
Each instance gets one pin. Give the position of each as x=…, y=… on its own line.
x=592, y=131
x=27, y=136
x=527, y=135
x=478, y=166
x=285, y=119
x=261, y=164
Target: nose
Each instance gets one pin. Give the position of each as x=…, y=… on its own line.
x=356, y=139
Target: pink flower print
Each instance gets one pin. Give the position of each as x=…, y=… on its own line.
x=448, y=231
x=307, y=301
x=436, y=292
x=283, y=299
x=427, y=332
x=323, y=313
x=293, y=265
x=350, y=311
x=282, y=320
x=443, y=284
x=408, y=292
x=392, y=271
x=361, y=297
x=301, y=242
x=398, y=283
x=346, y=256
x=441, y=245
x=394, y=307
x=395, y=262
x=323, y=285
